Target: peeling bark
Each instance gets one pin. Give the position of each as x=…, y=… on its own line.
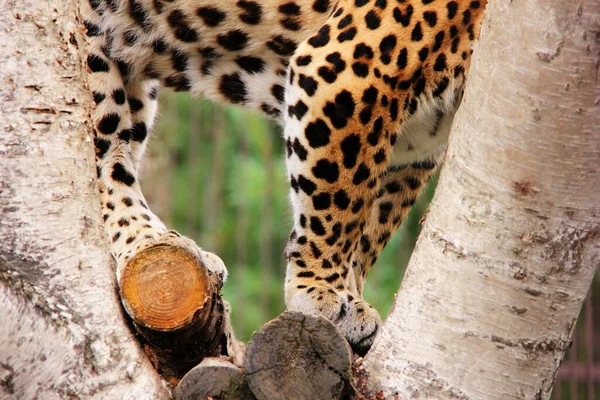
x=512, y=240
x=63, y=335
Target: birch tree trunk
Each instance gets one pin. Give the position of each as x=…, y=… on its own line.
x=62, y=332
x=512, y=240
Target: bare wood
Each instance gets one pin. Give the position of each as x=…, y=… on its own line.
x=216, y=378
x=176, y=306
x=298, y=356
x=512, y=240
x=62, y=331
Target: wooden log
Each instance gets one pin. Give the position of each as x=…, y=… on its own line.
x=213, y=378
x=176, y=306
x=298, y=356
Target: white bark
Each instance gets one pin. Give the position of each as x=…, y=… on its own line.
x=512, y=240
x=62, y=332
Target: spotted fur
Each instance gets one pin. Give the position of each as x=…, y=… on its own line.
x=366, y=91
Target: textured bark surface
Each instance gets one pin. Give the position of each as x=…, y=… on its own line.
x=512, y=240
x=298, y=356
x=62, y=335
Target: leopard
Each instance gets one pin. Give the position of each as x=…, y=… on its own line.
x=365, y=92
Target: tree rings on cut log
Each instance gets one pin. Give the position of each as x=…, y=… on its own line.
x=164, y=287
x=213, y=378
x=298, y=356
x=176, y=306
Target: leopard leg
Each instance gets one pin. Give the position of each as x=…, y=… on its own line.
x=123, y=116
x=336, y=154
x=399, y=188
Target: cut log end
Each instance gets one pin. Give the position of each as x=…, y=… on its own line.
x=176, y=307
x=164, y=288
x=213, y=378
x=298, y=356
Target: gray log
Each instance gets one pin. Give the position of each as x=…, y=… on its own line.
x=297, y=356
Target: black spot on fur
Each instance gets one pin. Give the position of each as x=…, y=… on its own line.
x=211, y=16
x=181, y=29
x=159, y=46
x=233, y=88
x=340, y=111
x=344, y=22
x=303, y=60
x=326, y=170
x=179, y=60
x=179, y=82
x=346, y=35
x=252, y=65
x=452, y=7
x=119, y=96
x=341, y=200
x=375, y=134
x=360, y=69
x=130, y=37
x=321, y=201
x=120, y=174
x=417, y=33
x=98, y=97
x=317, y=226
x=370, y=95
x=291, y=23
x=290, y=8
x=139, y=14
x=102, y=147
x=108, y=124
x=385, y=209
x=233, y=40
x=402, y=59
x=379, y=157
x=403, y=17
x=321, y=38
x=252, y=12
x=281, y=45
x=440, y=62
x=430, y=17
x=317, y=253
x=278, y=92
x=441, y=87
x=308, y=84
x=362, y=174
x=317, y=133
x=358, y=205
x=372, y=19
x=300, y=150
x=92, y=29
x=321, y=6
x=139, y=131
x=350, y=148
x=299, y=110
x=97, y=64
x=439, y=39
x=306, y=185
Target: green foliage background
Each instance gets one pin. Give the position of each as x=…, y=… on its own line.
x=227, y=177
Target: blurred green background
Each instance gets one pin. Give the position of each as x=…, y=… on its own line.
x=217, y=175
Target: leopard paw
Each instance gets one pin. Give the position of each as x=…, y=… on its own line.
x=357, y=320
